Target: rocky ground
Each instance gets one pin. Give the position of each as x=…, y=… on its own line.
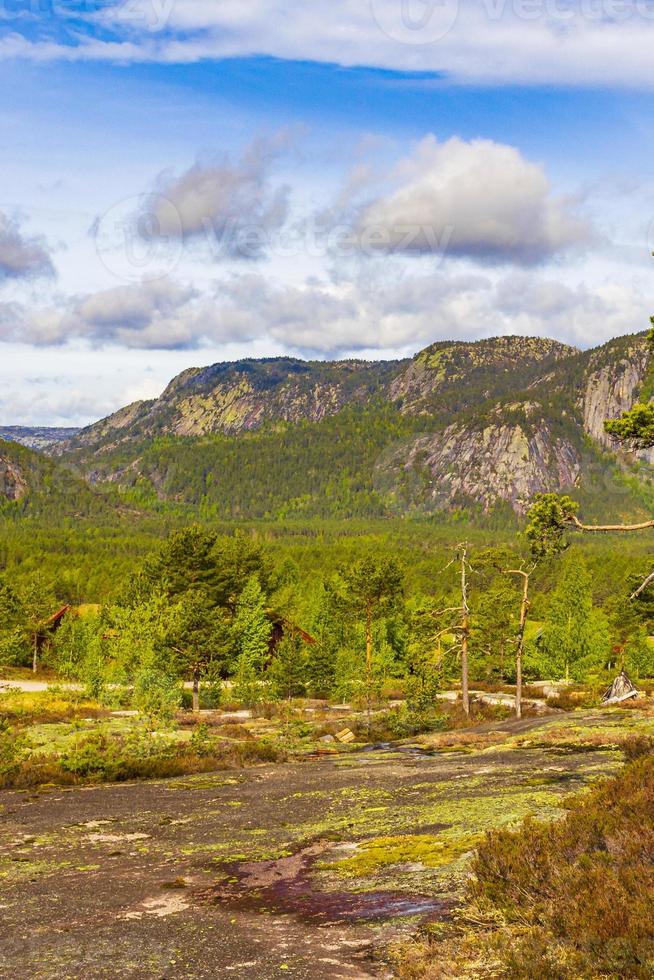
x=310, y=869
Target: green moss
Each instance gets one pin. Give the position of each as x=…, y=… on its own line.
x=425, y=849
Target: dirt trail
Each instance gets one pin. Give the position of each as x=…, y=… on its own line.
x=238, y=874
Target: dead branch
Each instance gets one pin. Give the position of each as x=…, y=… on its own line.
x=575, y=522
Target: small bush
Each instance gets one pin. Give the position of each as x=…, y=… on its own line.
x=568, y=698
x=584, y=886
x=637, y=746
x=45, y=707
x=202, y=742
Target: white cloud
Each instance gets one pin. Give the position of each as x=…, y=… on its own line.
x=161, y=315
x=230, y=205
x=370, y=312
x=21, y=256
x=599, y=42
x=479, y=199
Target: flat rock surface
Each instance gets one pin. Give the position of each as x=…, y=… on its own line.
x=236, y=874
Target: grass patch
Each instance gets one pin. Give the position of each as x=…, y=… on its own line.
x=101, y=756
x=25, y=708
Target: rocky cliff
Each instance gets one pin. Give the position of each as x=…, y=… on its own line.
x=13, y=481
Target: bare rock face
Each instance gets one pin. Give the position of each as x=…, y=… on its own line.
x=480, y=424
x=13, y=484
x=239, y=407
x=111, y=430
x=507, y=462
x=612, y=389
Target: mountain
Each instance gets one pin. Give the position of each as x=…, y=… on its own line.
x=246, y=395
x=479, y=427
x=37, y=437
x=32, y=484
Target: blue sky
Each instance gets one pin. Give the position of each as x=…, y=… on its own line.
x=185, y=181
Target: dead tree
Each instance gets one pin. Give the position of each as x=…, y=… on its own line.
x=465, y=628
x=524, y=610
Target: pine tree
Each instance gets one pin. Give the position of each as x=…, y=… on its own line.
x=251, y=627
x=185, y=563
x=288, y=670
x=371, y=588
x=196, y=637
x=493, y=633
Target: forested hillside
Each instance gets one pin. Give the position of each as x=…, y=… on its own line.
x=32, y=485
x=475, y=428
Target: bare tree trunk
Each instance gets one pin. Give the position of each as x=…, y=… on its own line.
x=465, y=633
x=196, y=690
x=369, y=668
x=524, y=609
x=35, y=654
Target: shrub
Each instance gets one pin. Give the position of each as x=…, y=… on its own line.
x=101, y=757
x=156, y=695
x=12, y=749
x=584, y=887
x=637, y=746
x=201, y=741
x=44, y=707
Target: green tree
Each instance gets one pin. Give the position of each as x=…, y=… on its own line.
x=236, y=560
x=371, y=588
x=196, y=634
x=157, y=695
x=548, y=520
x=638, y=656
x=251, y=632
x=575, y=641
x=185, y=563
x=288, y=669
x=12, y=638
x=493, y=632
x=29, y=627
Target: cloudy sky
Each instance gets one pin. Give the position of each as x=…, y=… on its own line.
x=189, y=181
